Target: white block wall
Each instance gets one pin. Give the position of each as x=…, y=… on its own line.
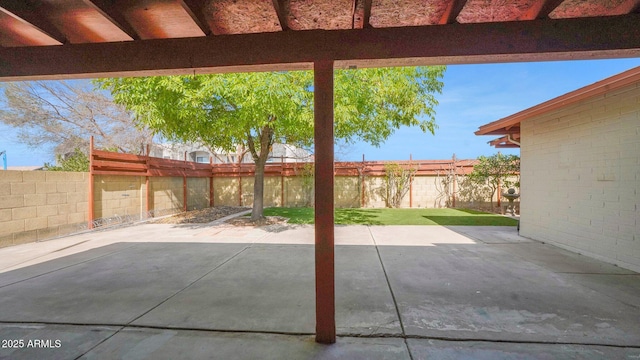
x=580, y=178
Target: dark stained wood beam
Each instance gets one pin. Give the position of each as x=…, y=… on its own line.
x=28, y=12
x=453, y=10
x=536, y=40
x=194, y=9
x=278, y=6
x=108, y=9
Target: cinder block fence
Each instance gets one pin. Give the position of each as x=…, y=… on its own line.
x=37, y=205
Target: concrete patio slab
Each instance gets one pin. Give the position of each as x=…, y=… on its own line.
x=476, y=350
x=40, y=341
x=113, y=289
x=171, y=344
x=203, y=291
x=559, y=260
x=490, y=234
x=364, y=304
x=416, y=235
x=266, y=288
x=477, y=292
x=33, y=267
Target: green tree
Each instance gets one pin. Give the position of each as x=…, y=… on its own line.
x=495, y=172
x=76, y=161
x=258, y=109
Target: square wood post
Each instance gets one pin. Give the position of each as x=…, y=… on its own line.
x=324, y=221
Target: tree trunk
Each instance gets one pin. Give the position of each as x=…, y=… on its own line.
x=260, y=159
x=258, y=191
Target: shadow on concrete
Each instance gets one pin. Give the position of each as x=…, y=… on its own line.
x=256, y=300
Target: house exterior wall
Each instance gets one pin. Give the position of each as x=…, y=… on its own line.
x=580, y=177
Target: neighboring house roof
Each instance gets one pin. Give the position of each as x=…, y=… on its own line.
x=510, y=125
x=24, y=168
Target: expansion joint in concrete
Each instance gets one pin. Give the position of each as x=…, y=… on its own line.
x=191, y=283
x=393, y=296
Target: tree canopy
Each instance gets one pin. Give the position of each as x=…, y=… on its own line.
x=257, y=109
x=495, y=172
x=76, y=161
x=63, y=114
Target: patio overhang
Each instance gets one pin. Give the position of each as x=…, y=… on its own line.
x=46, y=39
x=492, y=42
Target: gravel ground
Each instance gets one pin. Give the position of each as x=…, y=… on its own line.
x=201, y=216
x=208, y=215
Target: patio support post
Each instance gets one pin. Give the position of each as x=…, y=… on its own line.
x=324, y=221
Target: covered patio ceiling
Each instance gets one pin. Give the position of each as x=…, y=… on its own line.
x=48, y=39
x=64, y=39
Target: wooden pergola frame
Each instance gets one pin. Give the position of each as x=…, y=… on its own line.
x=323, y=51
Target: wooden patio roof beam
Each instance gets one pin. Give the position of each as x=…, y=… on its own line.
x=23, y=12
x=535, y=40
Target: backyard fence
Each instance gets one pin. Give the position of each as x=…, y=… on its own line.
x=125, y=184
x=36, y=205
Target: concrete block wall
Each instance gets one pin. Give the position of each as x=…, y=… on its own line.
x=36, y=205
x=225, y=191
x=347, y=192
x=298, y=191
x=118, y=195
x=197, y=193
x=426, y=193
x=166, y=193
x=580, y=178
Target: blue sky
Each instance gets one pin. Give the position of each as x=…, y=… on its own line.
x=473, y=95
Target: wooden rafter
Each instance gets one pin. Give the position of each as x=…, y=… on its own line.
x=452, y=11
x=541, y=9
x=194, y=9
x=367, y=14
x=29, y=14
x=566, y=39
x=108, y=9
x=278, y=6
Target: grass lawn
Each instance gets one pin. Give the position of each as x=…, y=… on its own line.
x=397, y=217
